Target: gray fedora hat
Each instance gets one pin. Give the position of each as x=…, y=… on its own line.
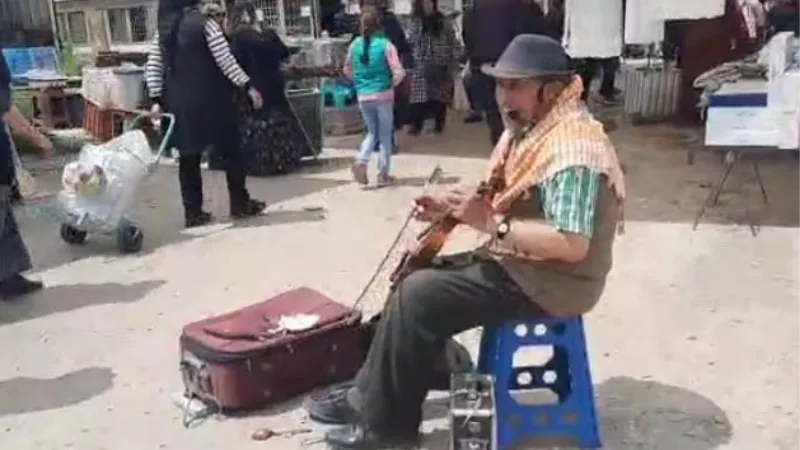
x=531, y=55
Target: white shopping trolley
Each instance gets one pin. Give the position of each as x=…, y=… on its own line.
x=119, y=165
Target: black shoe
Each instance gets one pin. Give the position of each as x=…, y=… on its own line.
x=15, y=197
x=611, y=99
x=249, y=209
x=329, y=405
x=18, y=286
x=473, y=117
x=358, y=437
x=198, y=219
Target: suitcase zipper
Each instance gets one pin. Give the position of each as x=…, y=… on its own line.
x=214, y=356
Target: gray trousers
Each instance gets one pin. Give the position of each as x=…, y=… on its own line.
x=14, y=256
x=429, y=307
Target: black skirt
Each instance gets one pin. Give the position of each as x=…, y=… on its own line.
x=272, y=141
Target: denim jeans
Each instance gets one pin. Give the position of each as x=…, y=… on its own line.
x=379, y=118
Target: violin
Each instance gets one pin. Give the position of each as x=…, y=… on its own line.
x=432, y=239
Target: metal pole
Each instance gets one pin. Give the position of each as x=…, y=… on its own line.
x=51, y=10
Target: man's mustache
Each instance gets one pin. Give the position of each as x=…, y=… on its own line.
x=512, y=120
x=512, y=114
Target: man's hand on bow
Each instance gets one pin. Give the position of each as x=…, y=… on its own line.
x=430, y=208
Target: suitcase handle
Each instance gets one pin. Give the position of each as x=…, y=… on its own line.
x=198, y=386
x=196, y=378
x=267, y=334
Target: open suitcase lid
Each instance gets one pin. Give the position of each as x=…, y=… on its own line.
x=260, y=325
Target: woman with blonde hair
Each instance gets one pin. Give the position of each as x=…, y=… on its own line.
x=374, y=65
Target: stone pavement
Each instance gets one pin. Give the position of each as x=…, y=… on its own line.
x=693, y=347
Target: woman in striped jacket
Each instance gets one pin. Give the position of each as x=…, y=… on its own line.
x=192, y=73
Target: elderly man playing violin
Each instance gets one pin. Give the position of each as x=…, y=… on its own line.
x=549, y=235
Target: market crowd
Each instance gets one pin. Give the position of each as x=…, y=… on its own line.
x=238, y=112
x=404, y=72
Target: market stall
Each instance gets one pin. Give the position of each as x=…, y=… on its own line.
x=664, y=46
x=40, y=88
x=748, y=115
x=721, y=64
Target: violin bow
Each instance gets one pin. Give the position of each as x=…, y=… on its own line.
x=431, y=181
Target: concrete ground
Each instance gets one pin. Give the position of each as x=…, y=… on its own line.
x=693, y=347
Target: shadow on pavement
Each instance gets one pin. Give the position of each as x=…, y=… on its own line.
x=24, y=395
x=458, y=139
x=159, y=213
x=326, y=164
x=661, y=186
x=417, y=182
x=283, y=216
x=636, y=414
x=68, y=297
x=657, y=416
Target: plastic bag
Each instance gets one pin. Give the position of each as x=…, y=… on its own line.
x=100, y=186
x=460, y=100
x=84, y=179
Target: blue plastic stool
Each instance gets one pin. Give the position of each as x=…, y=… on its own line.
x=566, y=374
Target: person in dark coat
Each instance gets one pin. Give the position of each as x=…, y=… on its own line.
x=488, y=27
x=555, y=20
x=785, y=16
x=436, y=55
x=588, y=69
x=14, y=256
x=192, y=61
x=331, y=14
x=271, y=138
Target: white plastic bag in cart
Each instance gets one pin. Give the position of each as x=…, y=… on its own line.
x=122, y=163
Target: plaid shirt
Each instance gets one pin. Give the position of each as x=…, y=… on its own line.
x=569, y=200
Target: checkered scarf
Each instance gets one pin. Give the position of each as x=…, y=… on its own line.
x=567, y=136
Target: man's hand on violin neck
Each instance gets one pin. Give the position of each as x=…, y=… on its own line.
x=472, y=209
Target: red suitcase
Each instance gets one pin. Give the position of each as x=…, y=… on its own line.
x=241, y=360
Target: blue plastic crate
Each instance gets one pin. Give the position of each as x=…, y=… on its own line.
x=45, y=58
x=24, y=59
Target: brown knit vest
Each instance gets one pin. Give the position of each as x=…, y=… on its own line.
x=561, y=288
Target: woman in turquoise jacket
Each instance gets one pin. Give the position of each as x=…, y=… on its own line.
x=374, y=65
